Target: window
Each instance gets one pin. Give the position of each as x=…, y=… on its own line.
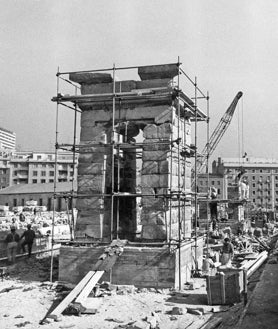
x=276, y=177
x=43, y=173
x=254, y=185
x=212, y=182
x=35, y=173
x=253, y=177
x=34, y=181
x=254, y=200
x=253, y=170
x=261, y=170
x=44, y=165
x=39, y=157
x=51, y=173
x=51, y=181
x=218, y=182
x=218, y=191
x=40, y=202
x=42, y=180
x=22, y=202
x=15, y=202
x=253, y=192
x=15, y=165
x=49, y=157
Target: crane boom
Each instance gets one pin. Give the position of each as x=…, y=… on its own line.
x=217, y=134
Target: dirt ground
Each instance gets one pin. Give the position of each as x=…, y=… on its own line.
x=26, y=296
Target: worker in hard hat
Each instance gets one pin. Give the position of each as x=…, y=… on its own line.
x=12, y=240
x=28, y=236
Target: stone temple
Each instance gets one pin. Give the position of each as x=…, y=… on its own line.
x=134, y=178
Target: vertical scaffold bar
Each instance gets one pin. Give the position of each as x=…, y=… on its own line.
x=112, y=156
x=179, y=172
x=195, y=174
x=207, y=168
x=55, y=180
x=73, y=169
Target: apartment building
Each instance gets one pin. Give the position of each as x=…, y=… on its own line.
x=216, y=181
x=22, y=167
x=261, y=175
x=7, y=139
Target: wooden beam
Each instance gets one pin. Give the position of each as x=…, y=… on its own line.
x=89, y=287
x=70, y=297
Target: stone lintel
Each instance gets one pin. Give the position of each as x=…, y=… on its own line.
x=90, y=78
x=158, y=71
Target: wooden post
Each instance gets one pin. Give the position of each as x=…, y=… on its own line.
x=222, y=287
x=245, y=298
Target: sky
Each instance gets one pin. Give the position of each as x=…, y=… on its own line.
x=229, y=46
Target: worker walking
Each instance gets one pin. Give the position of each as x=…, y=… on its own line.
x=227, y=253
x=12, y=240
x=29, y=236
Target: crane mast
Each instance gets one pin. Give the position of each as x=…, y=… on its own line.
x=217, y=135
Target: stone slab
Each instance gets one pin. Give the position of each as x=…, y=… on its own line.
x=158, y=71
x=90, y=78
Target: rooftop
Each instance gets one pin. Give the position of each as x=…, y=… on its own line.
x=38, y=188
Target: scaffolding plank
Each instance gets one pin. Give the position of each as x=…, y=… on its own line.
x=70, y=297
x=89, y=287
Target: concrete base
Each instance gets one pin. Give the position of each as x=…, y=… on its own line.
x=139, y=266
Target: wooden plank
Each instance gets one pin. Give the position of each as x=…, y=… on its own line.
x=70, y=297
x=89, y=287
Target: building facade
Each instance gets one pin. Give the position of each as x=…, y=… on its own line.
x=260, y=174
x=18, y=195
x=22, y=167
x=7, y=139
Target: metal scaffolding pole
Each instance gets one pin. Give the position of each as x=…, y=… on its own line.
x=112, y=158
x=55, y=181
x=195, y=178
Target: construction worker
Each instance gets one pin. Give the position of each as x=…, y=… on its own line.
x=12, y=240
x=227, y=253
x=29, y=236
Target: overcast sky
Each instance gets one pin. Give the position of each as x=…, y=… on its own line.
x=228, y=45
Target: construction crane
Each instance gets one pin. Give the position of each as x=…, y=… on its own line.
x=216, y=136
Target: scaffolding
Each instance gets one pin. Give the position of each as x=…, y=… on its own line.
x=186, y=107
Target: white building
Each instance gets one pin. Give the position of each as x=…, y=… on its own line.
x=7, y=139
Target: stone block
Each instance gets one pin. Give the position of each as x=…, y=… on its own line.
x=107, y=88
x=150, y=131
x=147, y=190
x=150, y=167
x=91, y=183
x=89, y=203
x=134, y=113
x=155, y=83
x=93, y=133
x=155, y=155
x=167, y=131
x=153, y=203
x=91, y=169
x=92, y=230
x=87, y=157
x=168, y=167
x=150, y=180
x=153, y=232
x=158, y=71
x=153, y=217
x=90, y=78
x=168, y=115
